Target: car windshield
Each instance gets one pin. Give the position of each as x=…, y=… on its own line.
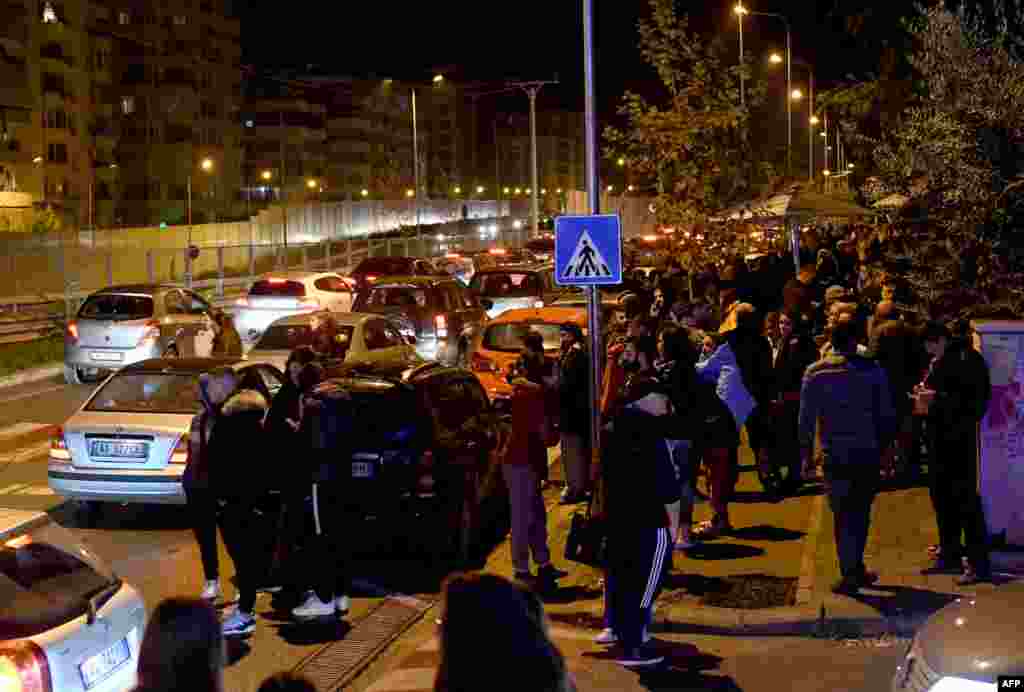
x=46, y=579
x=509, y=336
x=148, y=392
x=116, y=306
x=278, y=287
x=507, y=284
x=384, y=265
x=285, y=337
x=393, y=296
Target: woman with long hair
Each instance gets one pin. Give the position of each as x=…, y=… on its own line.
x=182, y=649
x=513, y=618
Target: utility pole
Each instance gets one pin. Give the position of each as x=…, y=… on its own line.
x=416, y=171
x=531, y=89
x=284, y=199
x=594, y=199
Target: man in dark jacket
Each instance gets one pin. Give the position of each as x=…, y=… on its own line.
x=754, y=356
x=960, y=389
x=574, y=414
x=237, y=447
x=849, y=394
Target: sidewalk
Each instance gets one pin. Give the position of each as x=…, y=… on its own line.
x=786, y=549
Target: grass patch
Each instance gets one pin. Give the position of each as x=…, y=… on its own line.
x=16, y=357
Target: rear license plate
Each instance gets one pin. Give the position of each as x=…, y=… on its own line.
x=362, y=469
x=118, y=449
x=98, y=668
x=106, y=356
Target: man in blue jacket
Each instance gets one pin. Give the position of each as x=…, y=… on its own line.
x=848, y=396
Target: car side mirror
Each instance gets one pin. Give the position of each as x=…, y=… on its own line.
x=486, y=303
x=410, y=339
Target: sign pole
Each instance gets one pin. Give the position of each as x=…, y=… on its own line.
x=594, y=199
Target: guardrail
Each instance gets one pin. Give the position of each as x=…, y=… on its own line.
x=43, y=315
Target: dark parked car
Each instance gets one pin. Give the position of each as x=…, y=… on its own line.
x=441, y=313
x=420, y=456
x=373, y=268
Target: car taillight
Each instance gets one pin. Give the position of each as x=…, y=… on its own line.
x=58, y=449
x=242, y=302
x=370, y=279
x=479, y=363
x=309, y=304
x=71, y=332
x=180, y=453
x=150, y=335
x=23, y=668
x=538, y=304
x=427, y=460
x=441, y=326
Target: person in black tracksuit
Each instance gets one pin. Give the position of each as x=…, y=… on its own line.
x=639, y=544
x=239, y=481
x=325, y=429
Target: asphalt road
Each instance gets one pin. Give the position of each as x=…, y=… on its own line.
x=152, y=548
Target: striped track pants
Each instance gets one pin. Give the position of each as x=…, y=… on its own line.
x=637, y=566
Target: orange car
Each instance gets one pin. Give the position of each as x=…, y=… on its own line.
x=499, y=344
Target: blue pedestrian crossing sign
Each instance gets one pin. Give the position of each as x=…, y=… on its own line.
x=588, y=250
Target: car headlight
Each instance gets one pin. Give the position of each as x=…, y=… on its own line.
x=950, y=684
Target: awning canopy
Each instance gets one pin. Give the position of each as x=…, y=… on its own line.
x=803, y=204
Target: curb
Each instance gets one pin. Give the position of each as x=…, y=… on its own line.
x=44, y=372
x=797, y=622
x=805, y=585
x=25, y=434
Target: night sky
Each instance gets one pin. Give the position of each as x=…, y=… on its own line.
x=532, y=39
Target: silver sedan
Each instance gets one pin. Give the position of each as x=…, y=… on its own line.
x=129, y=441
x=68, y=623
x=366, y=338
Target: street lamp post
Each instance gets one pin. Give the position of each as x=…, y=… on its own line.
x=532, y=89
x=740, y=10
x=789, y=75
x=416, y=171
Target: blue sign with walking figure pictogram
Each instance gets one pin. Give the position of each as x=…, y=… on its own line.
x=588, y=250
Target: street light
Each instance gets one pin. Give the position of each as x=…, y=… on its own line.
x=558, y=191
x=797, y=94
x=365, y=193
x=622, y=162
x=207, y=164
x=519, y=191
x=850, y=166
x=610, y=188
x=506, y=190
x=527, y=190
x=479, y=189
x=740, y=10
x=814, y=120
x=438, y=78
x=826, y=172
x=544, y=191
x=629, y=188
x=410, y=193
x=775, y=58
x=266, y=175
x=311, y=183
x=458, y=190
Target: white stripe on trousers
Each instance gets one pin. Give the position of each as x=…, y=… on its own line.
x=656, y=566
x=316, y=510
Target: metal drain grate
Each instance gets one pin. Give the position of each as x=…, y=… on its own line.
x=338, y=663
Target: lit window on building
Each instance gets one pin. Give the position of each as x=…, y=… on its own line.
x=124, y=18
x=49, y=16
x=127, y=105
x=180, y=20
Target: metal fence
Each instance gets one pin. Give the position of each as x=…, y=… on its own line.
x=62, y=276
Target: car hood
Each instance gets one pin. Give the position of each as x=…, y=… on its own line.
x=977, y=637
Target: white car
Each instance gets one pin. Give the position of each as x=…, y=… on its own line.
x=67, y=623
x=282, y=294
x=368, y=338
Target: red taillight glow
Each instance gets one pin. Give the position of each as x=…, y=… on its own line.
x=453, y=255
x=242, y=302
x=441, y=326
x=180, y=453
x=23, y=668
x=150, y=335
x=276, y=281
x=72, y=332
x=479, y=363
x=371, y=278
x=58, y=449
x=497, y=251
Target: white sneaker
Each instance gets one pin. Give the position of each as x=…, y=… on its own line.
x=238, y=624
x=211, y=590
x=342, y=604
x=314, y=608
x=607, y=636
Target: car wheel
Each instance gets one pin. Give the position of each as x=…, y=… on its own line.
x=171, y=352
x=72, y=375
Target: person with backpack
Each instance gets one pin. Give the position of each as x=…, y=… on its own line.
x=201, y=502
x=325, y=429
x=237, y=452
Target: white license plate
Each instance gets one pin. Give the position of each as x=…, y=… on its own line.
x=118, y=449
x=106, y=356
x=362, y=469
x=98, y=668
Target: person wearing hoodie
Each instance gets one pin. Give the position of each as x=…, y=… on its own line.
x=236, y=446
x=639, y=543
x=574, y=414
x=201, y=502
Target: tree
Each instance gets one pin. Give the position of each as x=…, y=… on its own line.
x=955, y=150
x=694, y=139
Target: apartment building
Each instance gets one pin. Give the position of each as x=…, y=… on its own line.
x=560, y=151
x=111, y=111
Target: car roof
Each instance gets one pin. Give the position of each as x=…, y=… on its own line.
x=14, y=521
x=552, y=315
x=296, y=274
x=341, y=318
x=409, y=280
x=184, y=365
x=516, y=267
x=393, y=372
x=137, y=288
